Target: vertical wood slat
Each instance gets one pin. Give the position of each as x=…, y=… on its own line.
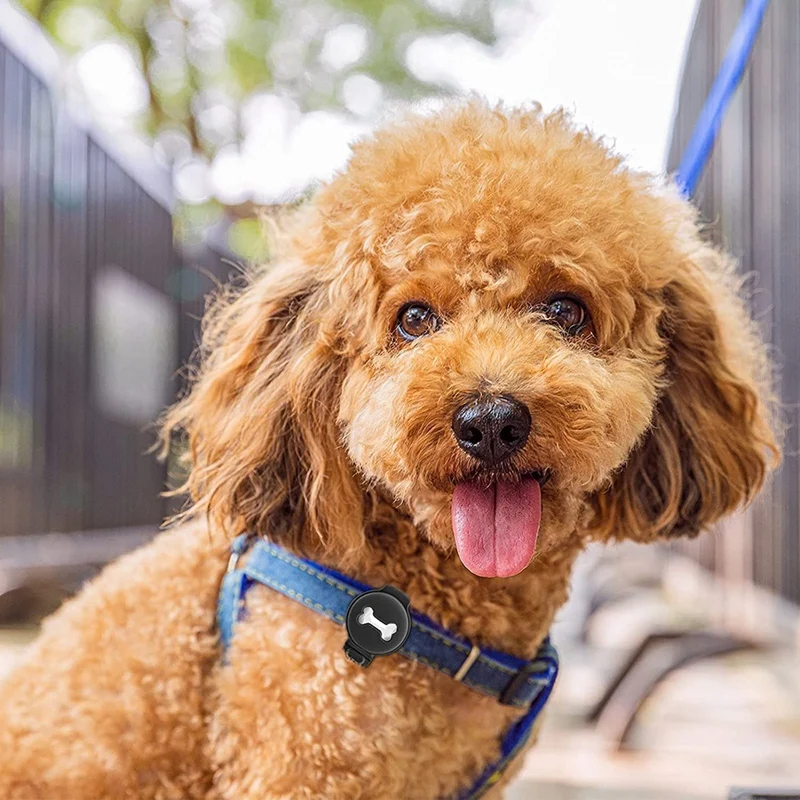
x=17, y=370
x=789, y=282
x=68, y=211
x=751, y=198
x=765, y=123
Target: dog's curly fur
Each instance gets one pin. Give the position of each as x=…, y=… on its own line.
x=312, y=423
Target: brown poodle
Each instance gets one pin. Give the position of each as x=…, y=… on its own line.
x=484, y=344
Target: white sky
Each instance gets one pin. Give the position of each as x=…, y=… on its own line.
x=614, y=63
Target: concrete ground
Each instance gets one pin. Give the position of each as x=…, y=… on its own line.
x=729, y=722
x=717, y=724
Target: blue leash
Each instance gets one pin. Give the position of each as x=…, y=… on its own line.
x=728, y=78
x=510, y=680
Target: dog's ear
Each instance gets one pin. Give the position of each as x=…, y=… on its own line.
x=711, y=442
x=259, y=418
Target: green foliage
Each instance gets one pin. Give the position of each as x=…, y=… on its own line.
x=203, y=60
x=248, y=239
x=197, y=53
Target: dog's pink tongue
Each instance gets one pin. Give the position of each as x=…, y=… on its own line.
x=496, y=527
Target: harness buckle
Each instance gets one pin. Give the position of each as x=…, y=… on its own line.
x=356, y=655
x=471, y=658
x=239, y=547
x=233, y=561
x=517, y=682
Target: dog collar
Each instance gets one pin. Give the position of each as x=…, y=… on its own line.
x=510, y=680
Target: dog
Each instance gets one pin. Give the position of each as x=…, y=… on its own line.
x=484, y=344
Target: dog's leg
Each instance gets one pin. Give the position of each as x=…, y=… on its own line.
x=110, y=701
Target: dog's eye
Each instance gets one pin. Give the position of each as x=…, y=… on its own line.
x=415, y=320
x=566, y=312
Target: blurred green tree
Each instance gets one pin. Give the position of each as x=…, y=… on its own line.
x=195, y=54
x=204, y=63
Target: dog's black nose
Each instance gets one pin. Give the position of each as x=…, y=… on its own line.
x=492, y=428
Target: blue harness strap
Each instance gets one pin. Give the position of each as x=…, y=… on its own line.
x=510, y=680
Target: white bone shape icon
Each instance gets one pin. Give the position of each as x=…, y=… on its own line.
x=387, y=629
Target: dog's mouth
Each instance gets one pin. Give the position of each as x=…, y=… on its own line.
x=496, y=522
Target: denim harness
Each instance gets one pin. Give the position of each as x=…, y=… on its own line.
x=512, y=681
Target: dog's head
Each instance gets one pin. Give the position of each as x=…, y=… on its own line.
x=490, y=319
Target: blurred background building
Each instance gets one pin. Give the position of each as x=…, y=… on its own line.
x=98, y=307
x=139, y=142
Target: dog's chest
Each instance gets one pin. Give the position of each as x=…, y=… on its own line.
x=289, y=698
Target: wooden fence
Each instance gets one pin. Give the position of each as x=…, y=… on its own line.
x=94, y=309
x=750, y=195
